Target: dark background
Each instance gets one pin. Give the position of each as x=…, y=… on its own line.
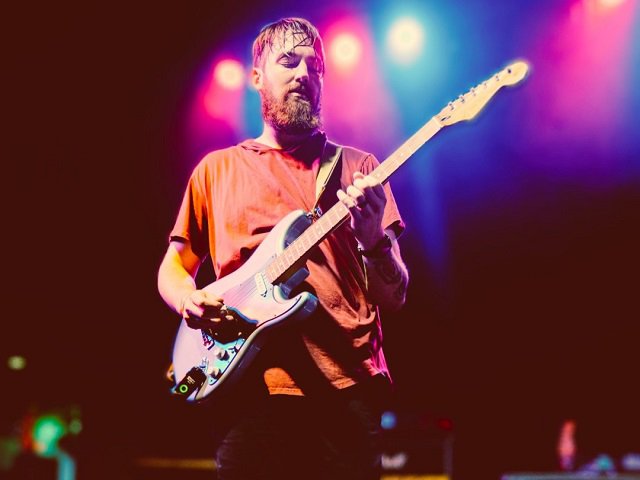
x=536, y=323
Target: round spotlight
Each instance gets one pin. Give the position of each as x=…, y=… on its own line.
x=47, y=431
x=405, y=39
x=345, y=50
x=389, y=420
x=16, y=362
x=610, y=3
x=229, y=74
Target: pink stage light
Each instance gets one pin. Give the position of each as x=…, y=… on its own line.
x=223, y=95
x=597, y=8
x=216, y=117
x=229, y=74
x=582, y=78
x=356, y=101
x=610, y=3
x=345, y=51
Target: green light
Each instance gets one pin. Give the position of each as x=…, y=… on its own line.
x=183, y=389
x=47, y=430
x=16, y=362
x=75, y=426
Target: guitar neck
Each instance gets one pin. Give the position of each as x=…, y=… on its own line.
x=466, y=107
x=298, y=250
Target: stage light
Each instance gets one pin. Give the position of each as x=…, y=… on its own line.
x=16, y=362
x=631, y=462
x=396, y=461
x=610, y=3
x=229, y=74
x=223, y=95
x=345, y=51
x=75, y=426
x=389, y=420
x=405, y=39
x=445, y=424
x=601, y=7
x=47, y=431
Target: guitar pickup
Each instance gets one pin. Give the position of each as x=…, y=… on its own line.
x=261, y=285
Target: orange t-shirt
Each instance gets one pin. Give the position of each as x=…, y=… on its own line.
x=234, y=198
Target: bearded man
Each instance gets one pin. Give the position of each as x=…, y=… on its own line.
x=310, y=405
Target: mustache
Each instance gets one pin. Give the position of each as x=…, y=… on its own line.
x=301, y=90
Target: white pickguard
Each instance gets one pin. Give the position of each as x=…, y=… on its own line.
x=247, y=291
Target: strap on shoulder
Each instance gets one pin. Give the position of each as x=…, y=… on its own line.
x=330, y=155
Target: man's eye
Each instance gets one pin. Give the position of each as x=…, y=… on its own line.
x=289, y=62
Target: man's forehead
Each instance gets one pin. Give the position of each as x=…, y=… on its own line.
x=289, y=40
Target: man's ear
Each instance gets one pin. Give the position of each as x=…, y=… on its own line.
x=257, y=78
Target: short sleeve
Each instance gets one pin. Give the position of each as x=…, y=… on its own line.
x=191, y=223
x=391, y=219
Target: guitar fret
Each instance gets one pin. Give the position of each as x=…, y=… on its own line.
x=290, y=254
x=311, y=236
x=269, y=272
x=322, y=228
x=281, y=265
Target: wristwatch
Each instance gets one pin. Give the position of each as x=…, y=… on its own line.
x=379, y=250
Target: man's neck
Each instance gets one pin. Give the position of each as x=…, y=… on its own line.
x=282, y=140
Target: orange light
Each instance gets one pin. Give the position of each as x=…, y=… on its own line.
x=610, y=3
x=601, y=6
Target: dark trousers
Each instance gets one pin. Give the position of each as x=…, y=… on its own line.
x=290, y=437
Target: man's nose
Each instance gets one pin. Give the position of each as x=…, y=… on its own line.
x=302, y=72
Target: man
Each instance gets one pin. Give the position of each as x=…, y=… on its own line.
x=323, y=376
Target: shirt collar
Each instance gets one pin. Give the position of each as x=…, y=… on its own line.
x=313, y=144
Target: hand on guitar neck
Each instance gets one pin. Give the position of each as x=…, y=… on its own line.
x=365, y=200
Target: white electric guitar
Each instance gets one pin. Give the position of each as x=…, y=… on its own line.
x=257, y=294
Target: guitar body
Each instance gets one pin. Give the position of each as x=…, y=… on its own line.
x=204, y=361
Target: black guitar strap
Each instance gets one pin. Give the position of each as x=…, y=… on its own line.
x=330, y=156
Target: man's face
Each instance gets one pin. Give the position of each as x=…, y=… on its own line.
x=290, y=84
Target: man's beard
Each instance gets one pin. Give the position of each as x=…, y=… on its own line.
x=293, y=114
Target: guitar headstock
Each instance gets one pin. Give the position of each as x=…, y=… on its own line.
x=467, y=106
